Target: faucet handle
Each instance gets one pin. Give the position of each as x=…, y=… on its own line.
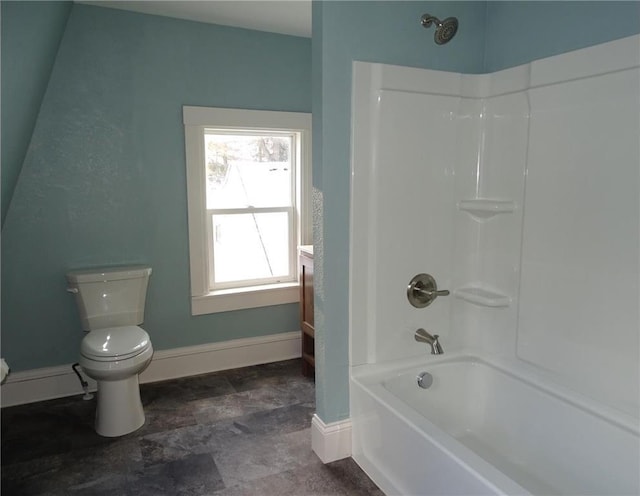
x=422, y=290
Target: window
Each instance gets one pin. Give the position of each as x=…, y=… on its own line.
x=248, y=177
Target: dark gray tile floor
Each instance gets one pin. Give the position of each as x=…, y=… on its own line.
x=238, y=432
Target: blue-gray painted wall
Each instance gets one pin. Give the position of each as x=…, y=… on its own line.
x=103, y=180
x=519, y=32
x=492, y=36
x=31, y=33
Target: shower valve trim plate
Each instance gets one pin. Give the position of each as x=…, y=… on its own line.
x=422, y=290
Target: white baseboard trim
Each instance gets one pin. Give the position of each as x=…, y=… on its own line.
x=60, y=381
x=332, y=441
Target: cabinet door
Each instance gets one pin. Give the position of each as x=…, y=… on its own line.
x=306, y=315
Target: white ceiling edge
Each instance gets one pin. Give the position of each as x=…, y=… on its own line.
x=292, y=17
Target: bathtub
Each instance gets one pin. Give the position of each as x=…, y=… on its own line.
x=482, y=428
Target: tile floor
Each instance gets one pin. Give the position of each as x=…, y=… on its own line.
x=238, y=432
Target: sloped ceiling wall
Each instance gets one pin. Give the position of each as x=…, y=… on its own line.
x=31, y=35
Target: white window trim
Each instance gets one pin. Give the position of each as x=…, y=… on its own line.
x=195, y=120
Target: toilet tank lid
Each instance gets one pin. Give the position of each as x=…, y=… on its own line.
x=108, y=273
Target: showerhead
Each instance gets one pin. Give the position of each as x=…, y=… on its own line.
x=445, y=30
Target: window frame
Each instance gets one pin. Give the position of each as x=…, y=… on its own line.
x=197, y=120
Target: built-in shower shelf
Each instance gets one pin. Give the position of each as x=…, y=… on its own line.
x=482, y=296
x=485, y=208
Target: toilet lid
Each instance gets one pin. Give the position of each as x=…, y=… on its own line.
x=115, y=343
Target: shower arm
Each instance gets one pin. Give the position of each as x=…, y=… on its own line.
x=427, y=20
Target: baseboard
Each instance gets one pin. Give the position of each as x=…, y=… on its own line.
x=332, y=441
x=60, y=381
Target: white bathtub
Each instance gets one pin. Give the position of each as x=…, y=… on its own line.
x=483, y=429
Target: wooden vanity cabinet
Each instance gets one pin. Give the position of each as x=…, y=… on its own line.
x=306, y=312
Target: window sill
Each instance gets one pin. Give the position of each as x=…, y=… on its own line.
x=226, y=300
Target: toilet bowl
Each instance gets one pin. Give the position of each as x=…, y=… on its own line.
x=114, y=357
x=115, y=349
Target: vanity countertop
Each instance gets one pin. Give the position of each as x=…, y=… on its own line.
x=306, y=249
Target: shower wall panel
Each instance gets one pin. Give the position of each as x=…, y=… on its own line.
x=407, y=176
x=414, y=218
x=519, y=192
x=579, y=290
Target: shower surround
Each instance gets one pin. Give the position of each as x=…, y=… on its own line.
x=519, y=192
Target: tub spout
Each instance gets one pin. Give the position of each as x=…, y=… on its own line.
x=424, y=337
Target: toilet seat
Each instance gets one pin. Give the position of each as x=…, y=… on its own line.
x=115, y=343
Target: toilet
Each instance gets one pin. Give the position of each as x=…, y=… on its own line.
x=115, y=349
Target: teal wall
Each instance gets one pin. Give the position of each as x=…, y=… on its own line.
x=103, y=180
x=31, y=33
x=519, y=32
x=492, y=36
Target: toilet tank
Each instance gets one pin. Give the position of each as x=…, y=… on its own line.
x=110, y=297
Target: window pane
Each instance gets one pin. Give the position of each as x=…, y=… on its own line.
x=250, y=246
x=248, y=170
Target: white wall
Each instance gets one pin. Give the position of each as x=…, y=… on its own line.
x=551, y=280
x=579, y=282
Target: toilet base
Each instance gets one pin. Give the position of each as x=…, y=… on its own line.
x=119, y=410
